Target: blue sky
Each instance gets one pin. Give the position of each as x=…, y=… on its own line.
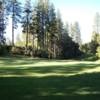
x=82, y=11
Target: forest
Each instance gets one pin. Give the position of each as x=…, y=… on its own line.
x=44, y=33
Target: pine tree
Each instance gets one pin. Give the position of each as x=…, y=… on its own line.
x=52, y=32
x=69, y=49
x=60, y=30
x=42, y=24
x=94, y=42
x=40, y=27
x=75, y=33
x=96, y=24
x=26, y=21
x=2, y=24
x=33, y=31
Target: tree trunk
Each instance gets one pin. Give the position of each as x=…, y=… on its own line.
x=13, y=27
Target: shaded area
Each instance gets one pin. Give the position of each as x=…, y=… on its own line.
x=17, y=60
x=79, y=87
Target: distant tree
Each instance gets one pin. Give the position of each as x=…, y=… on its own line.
x=75, y=33
x=66, y=27
x=40, y=26
x=2, y=39
x=3, y=19
x=95, y=39
x=2, y=27
x=27, y=21
x=60, y=29
x=94, y=42
x=33, y=31
x=91, y=47
x=53, y=34
x=98, y=52
x=85, y=48
x=96, y=24
x=42, y=14
x=98, y=39
x=69, y=49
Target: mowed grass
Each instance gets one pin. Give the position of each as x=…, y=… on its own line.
x=41, y=79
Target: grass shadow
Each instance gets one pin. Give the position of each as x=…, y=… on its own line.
x=64, y=70
x=78, y=87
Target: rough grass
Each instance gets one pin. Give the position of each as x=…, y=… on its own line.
x=40, y=79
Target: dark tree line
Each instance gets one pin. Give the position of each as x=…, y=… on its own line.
x=47, y=27
x=43, y=27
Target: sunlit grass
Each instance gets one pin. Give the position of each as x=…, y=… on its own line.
x=30, y=67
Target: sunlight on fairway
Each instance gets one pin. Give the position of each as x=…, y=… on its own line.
x=97, y=69
x=58, y=63
x=44, y=68
x=86, y=91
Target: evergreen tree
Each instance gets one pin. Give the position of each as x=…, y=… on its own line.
x=75, y=33
x=26, y=21
x=33, y=31
x=94, y=42
x=69, y=49
x=3, y=20
x=49, y=37
x=39, y=19
x=60, y=30
x=96, y=24
x=40, y=24
x=52, y=32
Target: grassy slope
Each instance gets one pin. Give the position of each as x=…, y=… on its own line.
x=38, y=79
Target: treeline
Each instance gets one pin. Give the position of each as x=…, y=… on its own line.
x=44, y=31
x=92, y=49
x=49, y=36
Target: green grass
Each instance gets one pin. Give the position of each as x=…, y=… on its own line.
x=41, y=79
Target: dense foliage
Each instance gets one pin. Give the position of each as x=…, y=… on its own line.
x=49, y=37
x=44, y=34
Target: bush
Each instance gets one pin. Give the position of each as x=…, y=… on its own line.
x=28, y=51
x=18, y=50
x=3, y=50
x=98, y=52
x=44, y=54
x=41, y=54
x=90, y=57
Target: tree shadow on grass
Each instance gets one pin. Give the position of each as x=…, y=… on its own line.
x=18, y=61
x=43, y=70
x=78, y=87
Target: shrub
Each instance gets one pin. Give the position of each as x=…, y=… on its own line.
x=28, y=51
x=98, y=52
x=41, y=54
x=3, y=50
x=89, y=57
x=17, y=50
